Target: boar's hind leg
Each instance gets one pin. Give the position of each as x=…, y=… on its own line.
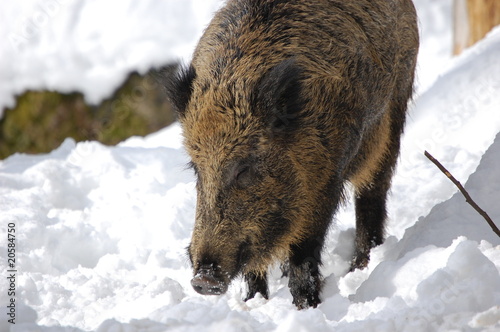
x=257, y=283
x=370, y=218
x=371, y=200
x=305, y=278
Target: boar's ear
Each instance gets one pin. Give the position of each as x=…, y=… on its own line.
x=178, y=85
x=279, y=96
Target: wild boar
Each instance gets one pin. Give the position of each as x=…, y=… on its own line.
x=283, y=104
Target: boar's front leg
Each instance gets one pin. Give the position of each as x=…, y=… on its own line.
x=305, y=278
x=257, y=283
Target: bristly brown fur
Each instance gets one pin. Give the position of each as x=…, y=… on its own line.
x=284, y=103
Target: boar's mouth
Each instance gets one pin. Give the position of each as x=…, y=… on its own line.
x=211, y=279
x=207, y=281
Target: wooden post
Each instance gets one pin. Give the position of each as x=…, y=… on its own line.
x=473, y=19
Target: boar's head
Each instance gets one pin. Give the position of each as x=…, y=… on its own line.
x=240, y=134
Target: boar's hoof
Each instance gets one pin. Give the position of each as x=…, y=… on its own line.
x=305, y=285
x=207, y=284
x=305, y=301
x=359, y=261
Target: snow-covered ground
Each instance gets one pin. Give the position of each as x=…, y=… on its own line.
x=101, y=231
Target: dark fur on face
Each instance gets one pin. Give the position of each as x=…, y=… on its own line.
x=283, y=103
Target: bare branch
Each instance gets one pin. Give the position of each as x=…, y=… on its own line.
x=464, y=192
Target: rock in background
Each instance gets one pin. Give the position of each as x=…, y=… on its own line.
x=42, y=120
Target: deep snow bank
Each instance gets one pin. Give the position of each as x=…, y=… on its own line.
x=456, y=120
x=101, y=233
x=91, y=46
x=89, y=219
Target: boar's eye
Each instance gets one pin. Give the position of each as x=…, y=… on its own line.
x=243, y=175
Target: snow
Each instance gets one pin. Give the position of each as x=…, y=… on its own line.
x=101, y=231
x=91, y=46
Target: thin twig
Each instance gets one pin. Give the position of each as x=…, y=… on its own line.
x=464, y=192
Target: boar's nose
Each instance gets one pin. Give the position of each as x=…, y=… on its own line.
x=205, y=282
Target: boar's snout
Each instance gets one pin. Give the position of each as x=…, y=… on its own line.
x=206, y=281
